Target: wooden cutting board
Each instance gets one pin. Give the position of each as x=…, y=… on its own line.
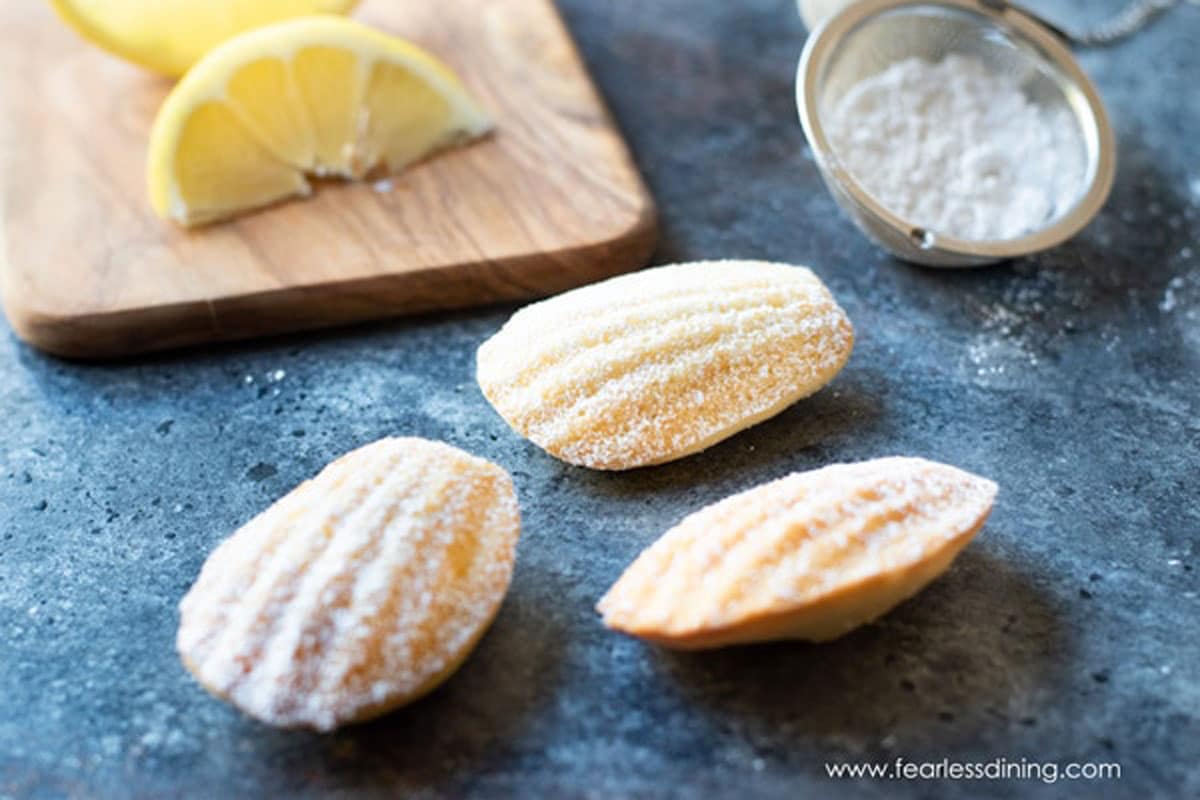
x=551, y=201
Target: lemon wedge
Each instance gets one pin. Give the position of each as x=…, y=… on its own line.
x=168, y=36
x=321, y=95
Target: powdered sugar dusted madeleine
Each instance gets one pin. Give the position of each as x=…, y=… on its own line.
x=810, y=556
x=361, y=590
x=656, y=365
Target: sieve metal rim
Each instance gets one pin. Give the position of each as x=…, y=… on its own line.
x=949, y=251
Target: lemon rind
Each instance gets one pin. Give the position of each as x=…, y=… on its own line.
x=148, y=58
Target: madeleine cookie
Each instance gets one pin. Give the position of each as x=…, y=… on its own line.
x=656, y=365
x=810, y=556
x=359, y=591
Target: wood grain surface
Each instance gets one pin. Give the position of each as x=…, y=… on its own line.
x=550, y=201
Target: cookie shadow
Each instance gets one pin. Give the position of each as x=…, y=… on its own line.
x=965, y=654
x=832, y=425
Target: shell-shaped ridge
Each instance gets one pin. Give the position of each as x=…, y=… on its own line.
x=810, y=555
x=359, y=590
x=650, y=367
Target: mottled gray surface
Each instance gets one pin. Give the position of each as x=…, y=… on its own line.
x=1067, y=632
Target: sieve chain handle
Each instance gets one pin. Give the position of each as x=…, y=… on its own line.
x=1133, y=18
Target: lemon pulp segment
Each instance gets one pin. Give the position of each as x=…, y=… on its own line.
x=169, y=36
x=322, y=95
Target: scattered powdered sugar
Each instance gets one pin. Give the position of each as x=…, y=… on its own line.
x=1169, y=298
x=958, y=149
x=1002, y=341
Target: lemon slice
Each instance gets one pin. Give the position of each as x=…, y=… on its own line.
x=321, y=95
x=168, y=36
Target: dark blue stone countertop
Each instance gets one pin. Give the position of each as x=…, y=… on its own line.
x=1067, y=632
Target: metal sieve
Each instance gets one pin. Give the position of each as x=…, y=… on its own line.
x=868, y=36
